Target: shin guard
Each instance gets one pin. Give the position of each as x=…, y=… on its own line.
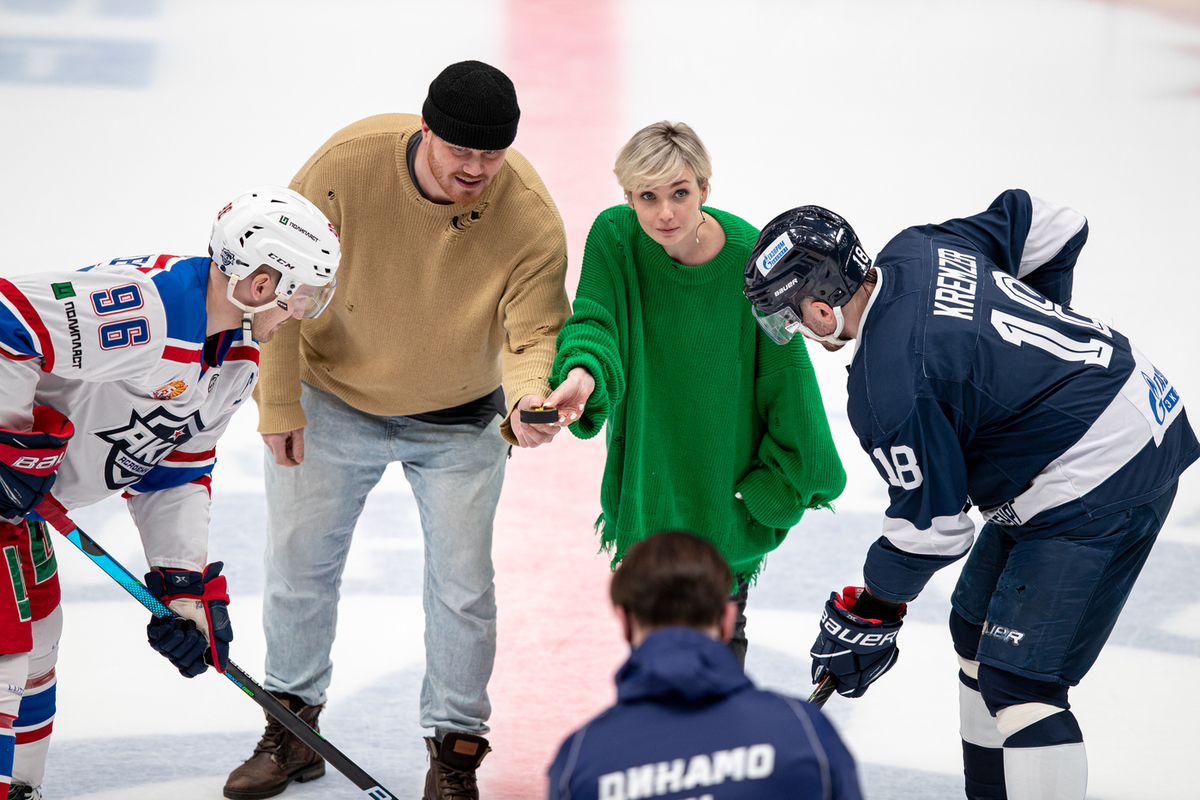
x=35, y=722
x=983, y=758
x=1045, y=759
x=14, y=669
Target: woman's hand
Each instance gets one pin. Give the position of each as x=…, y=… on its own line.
x=571, y=397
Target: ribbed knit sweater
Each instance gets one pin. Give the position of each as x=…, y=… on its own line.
x=700, y=403
x=436, y=305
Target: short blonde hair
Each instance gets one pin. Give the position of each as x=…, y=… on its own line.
x=659, y=152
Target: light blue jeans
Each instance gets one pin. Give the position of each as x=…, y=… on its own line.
x=455, y=472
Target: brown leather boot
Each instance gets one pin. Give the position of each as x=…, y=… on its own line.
x=279, y=758
x=452, y=766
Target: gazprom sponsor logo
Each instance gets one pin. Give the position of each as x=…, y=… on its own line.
x=772, y=255
x=1163, y=397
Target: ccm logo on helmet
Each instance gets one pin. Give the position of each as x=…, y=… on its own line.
x=862, y=640
x=33, y=462
x=279, y=260
x=787, y=286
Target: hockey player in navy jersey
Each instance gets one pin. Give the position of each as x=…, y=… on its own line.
x=974, y=382
x=120, y=378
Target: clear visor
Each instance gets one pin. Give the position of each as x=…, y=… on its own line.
x=780, y=326
x=308, y=300
x=785, y=323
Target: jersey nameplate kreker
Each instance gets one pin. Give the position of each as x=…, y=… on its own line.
x=958, y=275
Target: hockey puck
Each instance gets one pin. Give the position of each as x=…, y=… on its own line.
x=539, y=415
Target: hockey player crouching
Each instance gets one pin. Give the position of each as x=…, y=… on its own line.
x=121, y=377
x=971, y=386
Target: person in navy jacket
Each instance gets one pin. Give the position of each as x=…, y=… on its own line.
x=688, y=723
x=975, y=383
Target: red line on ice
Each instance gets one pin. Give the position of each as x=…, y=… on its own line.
x=559, y=644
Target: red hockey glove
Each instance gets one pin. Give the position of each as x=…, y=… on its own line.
x=202, y=631
x=856, y=650
x=28, y=461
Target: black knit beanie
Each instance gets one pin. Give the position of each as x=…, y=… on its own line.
x=472, y=104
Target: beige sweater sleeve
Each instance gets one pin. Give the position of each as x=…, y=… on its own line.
x=534, y=310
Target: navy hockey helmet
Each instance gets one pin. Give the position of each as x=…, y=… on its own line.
x=805, y=252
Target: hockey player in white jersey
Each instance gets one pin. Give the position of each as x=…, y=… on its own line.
x=120, y=378
x=973, y=382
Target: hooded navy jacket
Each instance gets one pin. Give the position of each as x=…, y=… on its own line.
x=688, y=723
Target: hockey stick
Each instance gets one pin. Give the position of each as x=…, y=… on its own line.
x=55, y=514
x=824, y=690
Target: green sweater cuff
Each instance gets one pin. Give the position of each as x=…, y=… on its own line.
x=769, y=498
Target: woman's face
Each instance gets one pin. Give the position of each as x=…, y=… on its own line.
x=670, y=213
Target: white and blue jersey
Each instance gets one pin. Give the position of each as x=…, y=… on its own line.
x=121, y=349
x=969, y=385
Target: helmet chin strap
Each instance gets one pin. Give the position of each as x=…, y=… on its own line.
x=831, y=338
x=233, y=282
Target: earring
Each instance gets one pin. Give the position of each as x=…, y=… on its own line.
x=702, y=221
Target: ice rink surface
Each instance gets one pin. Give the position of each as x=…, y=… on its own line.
x=125, y=125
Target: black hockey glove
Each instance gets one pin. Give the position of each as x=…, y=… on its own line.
x=856, y=650
x=201, y=632
x=28, y=461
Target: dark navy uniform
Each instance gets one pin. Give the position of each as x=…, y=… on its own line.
x=970, y=385
x=688, y=723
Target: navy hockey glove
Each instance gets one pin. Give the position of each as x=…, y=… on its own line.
x=856, y=650
x=28, y=461
x=201, y=632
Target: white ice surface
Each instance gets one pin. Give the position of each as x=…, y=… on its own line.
x=891, y=112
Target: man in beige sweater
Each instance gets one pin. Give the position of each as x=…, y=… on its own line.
x=450, y=295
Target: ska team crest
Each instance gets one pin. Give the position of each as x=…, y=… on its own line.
x=138, y=446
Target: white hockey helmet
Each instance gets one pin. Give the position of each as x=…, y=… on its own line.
x=279, y=228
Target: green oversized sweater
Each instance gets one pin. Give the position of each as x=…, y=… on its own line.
x=700, y=403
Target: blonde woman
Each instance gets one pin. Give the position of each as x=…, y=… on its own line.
x=712, y=427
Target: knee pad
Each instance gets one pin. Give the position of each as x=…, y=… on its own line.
x=35, y=722
x=977, y=726
x=44, y=656
x=14, y=672
x=1001, y=689
x=965, y=635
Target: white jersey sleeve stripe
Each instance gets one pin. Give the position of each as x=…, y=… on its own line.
x=1136, y=415
x=948, y=536
x=1050, y=227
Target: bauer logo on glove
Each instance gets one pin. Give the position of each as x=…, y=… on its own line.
x=855, y=650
